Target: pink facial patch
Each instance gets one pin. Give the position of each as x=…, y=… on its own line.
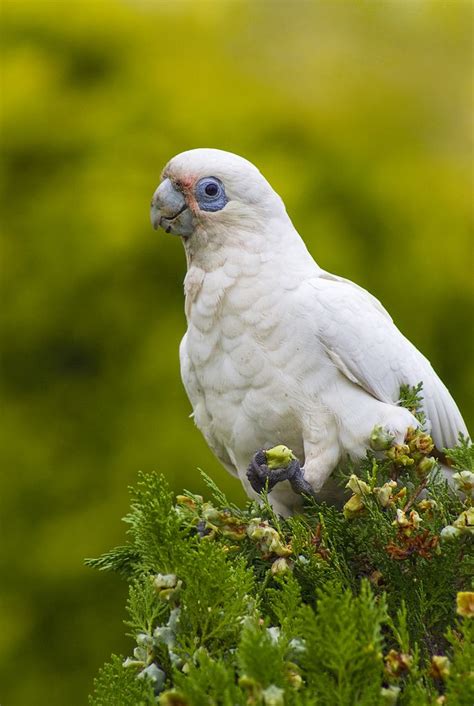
x=186, y=184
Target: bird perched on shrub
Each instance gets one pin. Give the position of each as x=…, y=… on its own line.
x=277, y=350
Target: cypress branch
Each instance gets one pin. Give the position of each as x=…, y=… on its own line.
x=234, y=606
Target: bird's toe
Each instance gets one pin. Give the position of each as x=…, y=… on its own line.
x=261, y=476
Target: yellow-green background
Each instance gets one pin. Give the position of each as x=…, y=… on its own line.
x=359, y=115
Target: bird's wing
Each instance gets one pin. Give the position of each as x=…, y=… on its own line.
x=366, y=346
x=196, y=397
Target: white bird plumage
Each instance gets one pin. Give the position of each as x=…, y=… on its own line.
x=277, y=350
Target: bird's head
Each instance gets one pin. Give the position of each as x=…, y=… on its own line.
x=209, y=194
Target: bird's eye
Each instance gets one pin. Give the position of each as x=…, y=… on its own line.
x=210, y=194
x=211, y=189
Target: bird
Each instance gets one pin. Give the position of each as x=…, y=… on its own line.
x=278, y=350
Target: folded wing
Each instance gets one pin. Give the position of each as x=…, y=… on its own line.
x=364, y=343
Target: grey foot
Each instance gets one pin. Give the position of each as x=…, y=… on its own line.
x=261, y=476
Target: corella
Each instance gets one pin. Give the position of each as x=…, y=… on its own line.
x=279, y=351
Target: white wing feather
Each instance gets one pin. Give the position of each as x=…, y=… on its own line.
x=364, y=343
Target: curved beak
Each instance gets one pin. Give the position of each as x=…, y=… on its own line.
x=169, y=210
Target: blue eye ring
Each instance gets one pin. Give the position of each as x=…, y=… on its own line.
x=210, y=194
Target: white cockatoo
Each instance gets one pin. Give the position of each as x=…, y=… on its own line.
x=277, y=350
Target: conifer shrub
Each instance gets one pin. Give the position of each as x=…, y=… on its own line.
x=371, y=604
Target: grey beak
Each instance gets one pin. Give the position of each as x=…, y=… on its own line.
x=169, y=210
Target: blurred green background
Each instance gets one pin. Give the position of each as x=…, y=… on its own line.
x=359, y=115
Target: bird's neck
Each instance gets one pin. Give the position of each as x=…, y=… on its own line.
x=244, y=262
x=274, y=241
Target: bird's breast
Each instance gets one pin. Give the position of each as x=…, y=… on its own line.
x=243, y=359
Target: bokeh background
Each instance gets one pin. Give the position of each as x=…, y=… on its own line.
x=359, y=115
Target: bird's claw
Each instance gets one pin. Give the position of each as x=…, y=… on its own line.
x=261, y=477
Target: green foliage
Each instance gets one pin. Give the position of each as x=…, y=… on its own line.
x=460, y=681
x=239, y=607
x=118, y=686
x=411, y=398
x=144, y=610
x=208, y=683
x=462, y=456
x=121, y=559
x=215, y=598
x=343, y=646
x=261, y=655
x=153, y=526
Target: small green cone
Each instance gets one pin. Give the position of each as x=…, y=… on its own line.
x=279, y=457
